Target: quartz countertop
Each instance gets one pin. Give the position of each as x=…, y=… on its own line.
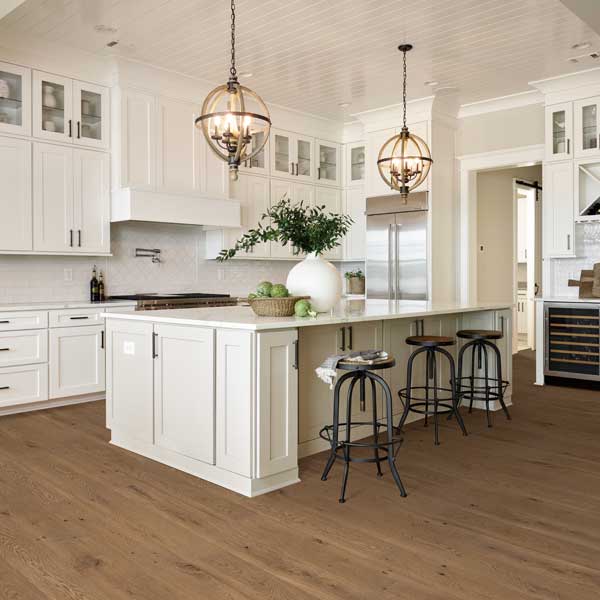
x=14, y=306
x=347, y=311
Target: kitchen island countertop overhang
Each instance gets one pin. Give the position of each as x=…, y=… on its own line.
x=233, y=398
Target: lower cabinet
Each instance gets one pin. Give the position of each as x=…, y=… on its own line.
x=23, y=384
x=76, y=362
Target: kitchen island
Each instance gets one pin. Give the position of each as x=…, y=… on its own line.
x=233, y=398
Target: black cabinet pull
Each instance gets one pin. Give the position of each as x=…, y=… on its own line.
x=4, y=349
x=70, y=128
x=102, y=339
x=350, y=338
x=3, y=322
x=295, y=365
x=5, y=387
x=319, y=173
x=78, y=130
x=343, y=346
x=77, y=318
x=154, y=352
x=79, y=232
x=71, y=238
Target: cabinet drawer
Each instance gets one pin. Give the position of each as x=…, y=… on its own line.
x=21, y=385
x=10, y=321
x=23, y=347
x=76, y=317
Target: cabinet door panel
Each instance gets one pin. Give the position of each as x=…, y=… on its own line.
x=586, y=127
x=76, y=361
x=91, y=201
x=375, y=140
x=15, y=200
x=559, y=131
x=329, y=163
x=24, y=384
x=304, y=158
x=91, y=115
x=279, y=189
x=282, y=160
x=331, y=199
x=355, y=163
x=129, y=376
x=185, y=418
x=355, y=243
x=53, y=107
x=558, y=209
x=15, y=99
x=52, y=198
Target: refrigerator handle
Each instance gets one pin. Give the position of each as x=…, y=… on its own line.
x=397, y=259
x=391, y=255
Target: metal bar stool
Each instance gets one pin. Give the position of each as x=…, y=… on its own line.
x=483, y=388
x=382, y=450
x=417, y=398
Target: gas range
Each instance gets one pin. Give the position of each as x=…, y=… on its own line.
x=187, y=300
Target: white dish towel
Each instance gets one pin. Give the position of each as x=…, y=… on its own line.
x=327, y=371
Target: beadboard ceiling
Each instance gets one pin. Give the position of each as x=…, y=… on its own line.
x=314, y=54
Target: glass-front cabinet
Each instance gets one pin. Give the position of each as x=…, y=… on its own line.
x=15, y=99
x=328, y=166
x=587, y=127
x=559, y=131
x=259, y=164
x=355, y=164
x=65, y=110
x=292, y=156
x=303, y=158
x=281, y=154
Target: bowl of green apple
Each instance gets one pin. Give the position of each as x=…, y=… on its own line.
x=274, y=300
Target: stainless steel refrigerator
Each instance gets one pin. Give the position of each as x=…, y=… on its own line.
x=397, y=247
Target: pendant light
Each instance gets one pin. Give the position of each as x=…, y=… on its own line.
x=404, y=160
x=234, y=119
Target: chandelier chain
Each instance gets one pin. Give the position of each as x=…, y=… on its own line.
x=233, y=70
x=404, y=87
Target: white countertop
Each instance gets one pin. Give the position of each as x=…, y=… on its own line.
x=62, y=304
x=567, y=299
x=348, y=311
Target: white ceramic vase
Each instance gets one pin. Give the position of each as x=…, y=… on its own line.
x=318, y=279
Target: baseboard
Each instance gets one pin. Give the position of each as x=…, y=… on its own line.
x=55, y=403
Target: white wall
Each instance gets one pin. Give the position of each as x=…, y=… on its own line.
x=495, y=231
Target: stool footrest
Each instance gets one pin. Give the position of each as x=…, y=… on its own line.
x=395, y=442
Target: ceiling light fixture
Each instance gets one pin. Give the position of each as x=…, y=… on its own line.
x=432, y=83
x=234, y=119
x=581, y=46
x=404, y=160
x=344, y=104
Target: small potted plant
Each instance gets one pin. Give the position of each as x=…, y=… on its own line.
x=355, y=281
x=310, y=230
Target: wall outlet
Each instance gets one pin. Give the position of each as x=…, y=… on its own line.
x=68, y=274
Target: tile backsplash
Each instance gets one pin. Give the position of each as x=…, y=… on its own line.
x=587, y=249
x=183, y=268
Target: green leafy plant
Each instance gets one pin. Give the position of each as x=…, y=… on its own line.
x=310, y=229
x=356, y=273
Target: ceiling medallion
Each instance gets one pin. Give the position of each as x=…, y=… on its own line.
x=234, y=119
x=404, y=160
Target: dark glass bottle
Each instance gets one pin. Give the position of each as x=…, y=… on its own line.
x=101, y=296
x=94, y=292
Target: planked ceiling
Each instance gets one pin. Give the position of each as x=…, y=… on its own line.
x=314, y=54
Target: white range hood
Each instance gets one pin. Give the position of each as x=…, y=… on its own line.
x=156, y=207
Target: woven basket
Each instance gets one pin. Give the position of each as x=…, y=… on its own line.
x=275, y=307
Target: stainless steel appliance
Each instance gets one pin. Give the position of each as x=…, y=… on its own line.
x=397, y=247
x=190, y=300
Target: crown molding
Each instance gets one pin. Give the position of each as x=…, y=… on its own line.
x=590, y=78
x=501, y=103
x=386, y=116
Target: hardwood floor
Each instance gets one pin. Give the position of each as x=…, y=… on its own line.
x=507, y=513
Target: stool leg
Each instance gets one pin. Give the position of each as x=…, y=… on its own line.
x=336, y=425
x=427, y=375
x=348, y=433
x=435, y=399
x=499, y=376
x=406, y=410
x=472, y=378
x=459, y=418
x=390, y=431
x=375, y=428
x=487, y=386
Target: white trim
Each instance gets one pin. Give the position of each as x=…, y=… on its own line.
x=13, y=410
x=468, y=166
x=501, y=103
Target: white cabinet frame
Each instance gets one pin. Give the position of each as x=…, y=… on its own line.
x=25, y=75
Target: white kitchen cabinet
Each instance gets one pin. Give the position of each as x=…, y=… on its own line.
x=355, y=164
x=375, y=186
x=23, y=347
x=292, y=156
x=331, y=199
x=253, y=194
x=586, y=116
x=129, y=379
x=138, y=140
x=522, y=311
x=558, y=209
x=26, y=319
x=259, y=164
x=15, y=99
x=329, y=168
x=178, y=155
x=355, y=207
x=23, y=384
x=77, y=363
x=277, y=393
x=67, y=110
x=71, y=200
x=15, y=199
x=522, y=229
x=53, y=218
x=559, y=131
x=184, y=364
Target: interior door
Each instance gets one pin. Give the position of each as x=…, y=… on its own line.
x=380, y=256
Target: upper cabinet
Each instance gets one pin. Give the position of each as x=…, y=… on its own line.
x=15, y=99
x=558, y=209
x=259, y=164
x=559, y=131
x=292, y=156
x=329, y=170
x=70, y=111
x=587, y=127
x=355, y=164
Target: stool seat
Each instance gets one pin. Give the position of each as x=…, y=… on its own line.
x=479, y=334
x=350, y=365
x=429, y=341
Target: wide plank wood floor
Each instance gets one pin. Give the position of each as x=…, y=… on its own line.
x=508, y=513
